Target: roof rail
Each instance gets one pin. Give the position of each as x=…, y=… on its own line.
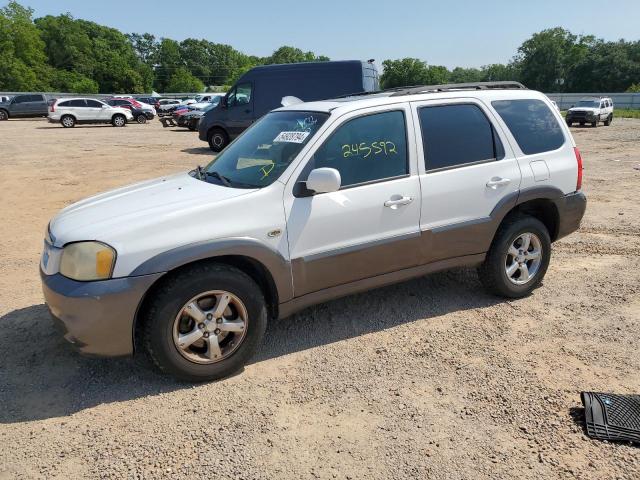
x=504, y=85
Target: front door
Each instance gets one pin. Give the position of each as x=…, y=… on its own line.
x=20, y=105
x=371, y=225
x=467, y=170
x=239, y=109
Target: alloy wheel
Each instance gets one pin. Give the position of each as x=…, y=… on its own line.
x=523, y=258
x=210, y=327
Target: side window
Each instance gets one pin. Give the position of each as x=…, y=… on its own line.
x=64, y=104
x=76, y=103
x=532, y=124
x=241, y=95
x=93, y=103
x=454, y=135
x=36, y=98
x=366, y=149
x=21, y=99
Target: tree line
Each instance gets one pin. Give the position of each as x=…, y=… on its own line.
x=62, y=53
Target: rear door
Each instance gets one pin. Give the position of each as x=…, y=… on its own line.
x=468, y=171
x=38, y=105
x=78, y=108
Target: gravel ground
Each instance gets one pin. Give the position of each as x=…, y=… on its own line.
x=430, y=378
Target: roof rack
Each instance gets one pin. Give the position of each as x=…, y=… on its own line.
x=449, y=87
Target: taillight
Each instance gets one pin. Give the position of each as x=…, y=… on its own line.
x=53, y=107
x=580, y=167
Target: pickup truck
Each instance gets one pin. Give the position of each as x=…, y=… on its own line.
x=28, y=105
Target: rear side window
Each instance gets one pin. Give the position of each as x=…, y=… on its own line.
x=366, y=149
x=93, y=104
x=36, y=98
x=454, y=135
x=76, y=103
x=64, y=104
x=532, y=124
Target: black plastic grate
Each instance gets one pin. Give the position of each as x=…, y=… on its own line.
x=609, y=416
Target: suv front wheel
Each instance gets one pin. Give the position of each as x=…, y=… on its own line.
x=518, y=258
x=204, y=323
x=218, y=139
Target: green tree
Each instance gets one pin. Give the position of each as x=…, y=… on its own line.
x=287, y=54
x=145, y=45
x=412, y=71
x=183, y=81
x=497, y=72
x=465, y=75
x=22, y=56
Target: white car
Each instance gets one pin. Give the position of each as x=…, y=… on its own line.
x=591, y=111
x=208, y=97
x=315, y=201
x=72, y=111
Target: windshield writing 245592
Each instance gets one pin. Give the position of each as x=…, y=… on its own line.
x=384, y=147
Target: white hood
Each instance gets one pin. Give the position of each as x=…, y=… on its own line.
x=584, y=109
x=114, y=216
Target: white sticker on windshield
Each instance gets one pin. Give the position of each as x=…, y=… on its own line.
x=291, y=137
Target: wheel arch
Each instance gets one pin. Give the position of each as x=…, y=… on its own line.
x=266, y=267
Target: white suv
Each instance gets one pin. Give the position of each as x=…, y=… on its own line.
x=70, y=111
x=315, y=201
x=592, y=111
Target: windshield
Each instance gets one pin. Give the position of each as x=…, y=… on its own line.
x=589, y=103
x=264, y=151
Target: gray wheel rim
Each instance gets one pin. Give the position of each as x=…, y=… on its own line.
x=210, y=327
x=217, y=140
x=523, y=258
x=119, y=121
x=67, y=122
x=142, y=119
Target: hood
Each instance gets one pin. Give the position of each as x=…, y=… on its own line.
x=140, y=207
x=584, y=109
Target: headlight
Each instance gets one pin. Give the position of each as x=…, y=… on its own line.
x=87, y=261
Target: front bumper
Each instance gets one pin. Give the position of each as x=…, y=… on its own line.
x=97, y=317
x=571, y=209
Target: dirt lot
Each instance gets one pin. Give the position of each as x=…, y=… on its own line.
x=431, y=378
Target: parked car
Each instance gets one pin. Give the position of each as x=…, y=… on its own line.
x=28, y=105
x=591, y=110
x=262, y=89
x=167, y=106
x=191, y=118
x=153, y=101
x=315, y=201
x=71, y=111
x=138, y=110
x=208, y=97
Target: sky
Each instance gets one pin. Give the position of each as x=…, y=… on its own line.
x=451, y=33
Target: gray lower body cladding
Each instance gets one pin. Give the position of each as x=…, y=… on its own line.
x=96, y=317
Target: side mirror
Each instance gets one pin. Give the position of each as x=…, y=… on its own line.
x=324, y=180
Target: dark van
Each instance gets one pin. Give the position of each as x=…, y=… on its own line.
x=261, y=89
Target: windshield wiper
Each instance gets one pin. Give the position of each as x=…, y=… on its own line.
x=225, y=181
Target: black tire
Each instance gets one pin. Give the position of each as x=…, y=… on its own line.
x=569, y=123
x=160, y=313
x=493, y=273
x=582, y=124
x=608, y=121
x=141, y=119
x=191, y=127
x=118, y=120
x=4, y=115
x=594, y=124
x=68, y=121
x=218, y=139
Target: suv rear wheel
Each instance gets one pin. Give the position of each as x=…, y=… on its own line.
x=119, y=120
x=518, y=258
x=204, y=323
x=218, y=139
x=68, y=121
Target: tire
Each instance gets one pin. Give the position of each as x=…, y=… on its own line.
x=594, y=124
x=165, y=315
x=582, y=124
x=4, y=115
x=608, y=121
x=119, y=120
x=141, y=119
x=68, y=121
x=218, y=139
x=569, y=123
x=493, y=272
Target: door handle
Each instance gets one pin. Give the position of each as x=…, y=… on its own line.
x=394, y=202
x=496, y=182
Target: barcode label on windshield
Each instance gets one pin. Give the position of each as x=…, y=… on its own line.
x=291, y=137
